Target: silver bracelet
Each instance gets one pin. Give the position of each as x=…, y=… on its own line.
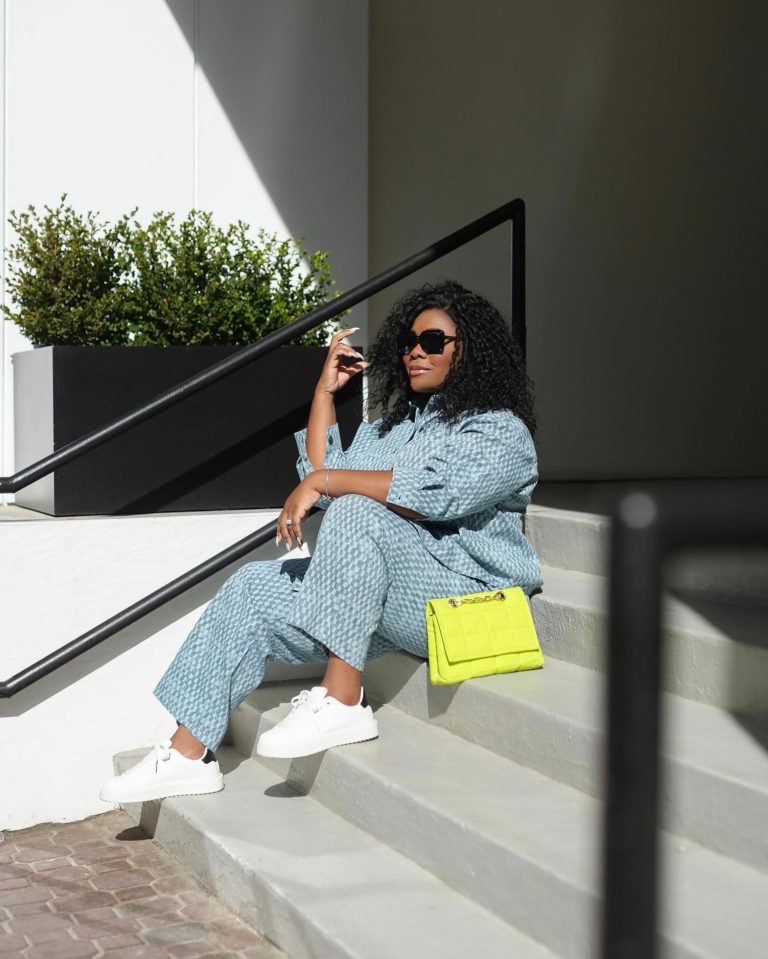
x=327, y=474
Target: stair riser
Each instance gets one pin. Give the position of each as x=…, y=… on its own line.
x=705, y=668
x=692, y=801
x=564, y=751
x=472, y=863
x=578, y=542
x=316, y=885
x=256, y=901
x=582, y=542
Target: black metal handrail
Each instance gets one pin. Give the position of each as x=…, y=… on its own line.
x=513, y=211
x=647, y=528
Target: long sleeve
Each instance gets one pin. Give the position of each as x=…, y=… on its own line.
x=489, y=460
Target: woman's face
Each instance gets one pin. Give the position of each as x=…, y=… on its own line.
x=426, y=372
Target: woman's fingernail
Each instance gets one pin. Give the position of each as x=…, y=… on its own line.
x=277, y=539
x=288, y=546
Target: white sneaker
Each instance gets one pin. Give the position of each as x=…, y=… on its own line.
x=164, y=772
x=316, y=722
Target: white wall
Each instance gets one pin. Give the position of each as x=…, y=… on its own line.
x=254, y=109
x=637, y=134
x=101, y=703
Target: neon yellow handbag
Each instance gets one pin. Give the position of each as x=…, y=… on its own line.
x=480, y=635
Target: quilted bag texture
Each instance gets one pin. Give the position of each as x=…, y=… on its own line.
x=480, y=635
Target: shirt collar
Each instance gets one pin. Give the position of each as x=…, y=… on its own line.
x=415, y=413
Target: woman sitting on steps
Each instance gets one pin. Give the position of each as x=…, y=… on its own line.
x=428, y=501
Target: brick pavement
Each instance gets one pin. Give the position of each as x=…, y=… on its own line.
x=101, y=887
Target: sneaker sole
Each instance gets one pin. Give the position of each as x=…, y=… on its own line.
x=150, y=795
x=327, y=742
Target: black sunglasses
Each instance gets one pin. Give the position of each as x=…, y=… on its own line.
x=431, y=341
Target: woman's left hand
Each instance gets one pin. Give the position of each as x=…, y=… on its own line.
x=296, y=507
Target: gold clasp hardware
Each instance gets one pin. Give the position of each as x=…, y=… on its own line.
x=489, y=597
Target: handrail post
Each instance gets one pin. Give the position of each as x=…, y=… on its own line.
x=518, y=279
x=634, y=642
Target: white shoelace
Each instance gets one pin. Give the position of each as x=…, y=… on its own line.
x=160, y=752
x=305, y=699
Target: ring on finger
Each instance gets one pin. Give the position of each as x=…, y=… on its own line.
x=289, y=522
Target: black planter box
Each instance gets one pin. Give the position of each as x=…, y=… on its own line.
x=229, y=446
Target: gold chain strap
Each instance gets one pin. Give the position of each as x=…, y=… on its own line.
x=459, y=600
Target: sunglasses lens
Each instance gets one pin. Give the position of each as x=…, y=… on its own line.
x=432, y=341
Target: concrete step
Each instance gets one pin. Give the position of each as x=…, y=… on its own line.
x=486, y=825
x=579, y=541
x=316, y=885
x=714, y=652
x=552, y=720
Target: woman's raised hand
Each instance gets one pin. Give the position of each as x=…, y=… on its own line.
x=336, y=374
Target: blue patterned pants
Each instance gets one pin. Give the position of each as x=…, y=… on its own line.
x=362, y=594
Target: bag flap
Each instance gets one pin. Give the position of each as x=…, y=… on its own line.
x=476, y=631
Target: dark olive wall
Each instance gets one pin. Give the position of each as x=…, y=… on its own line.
x=637, y=135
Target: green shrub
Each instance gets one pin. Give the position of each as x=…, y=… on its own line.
x=74, y=280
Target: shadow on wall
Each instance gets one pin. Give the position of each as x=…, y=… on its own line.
x=149, y=626
x=292, y=80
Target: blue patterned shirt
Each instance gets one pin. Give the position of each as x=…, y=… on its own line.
x=471, y=482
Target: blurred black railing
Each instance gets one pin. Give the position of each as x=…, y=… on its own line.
x=513, y=212
x=647, y=528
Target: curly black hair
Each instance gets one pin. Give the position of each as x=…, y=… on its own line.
x=489, y=376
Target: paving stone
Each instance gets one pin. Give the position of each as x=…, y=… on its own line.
x=18, y=883
x=47, y=864
x=188, y=950
x=109, y=866
x=134, y=892
x=107, y=926
x=122, y=879
x=166, y=919
x=175, y=884
x=83, y=900
x=236, y=935
x=67, y=874
x=40, y=854
x=204, y=910
x=178, y=932
x=105, y=920
x=75, y=833
x=99, y=854
x=143, y=909
x=43, y=922
x=62, y=949
x=11, y=897
x=145, y=951
x=13, y=870
x=162, y=872
x=118, y=942
x=12, y=945
x=199, y=895
x=28, y=908
x=103, y=888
